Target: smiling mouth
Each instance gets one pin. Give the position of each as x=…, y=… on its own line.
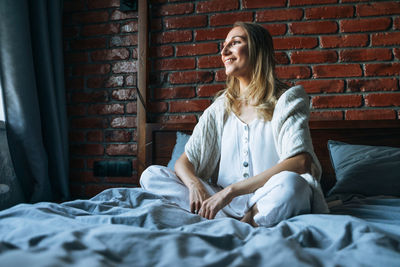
x=229, y=60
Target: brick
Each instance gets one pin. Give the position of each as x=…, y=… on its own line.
x=190, y=77
x=69, y=6
x=209, y=90
x=123, y=122
x=87, y=149
x=396, y=23
x=76, y=57
x=100, y=29
x=376, y=9
x=124, y=40
x=262, y=3
x=382, y=100
x=336, y=101
x=131, y=108
x=216, y=5
x=209, y=62
x=95, y=82
x=89, y=97
x=175, y=64
x=311, y=2
x=179, y=119
x=110, y=54
x=276, y=29
x=70, y=32
x=121, y=150
x=124, y=94
x=382, y=69
x=365, y=85
x=211, y=34
x=89, y=17
x=337, y=70
x=313, y=27
x=287, y=43
x=91, y=69
x=326, y=115
x=189, y=105
x=77, y=110
x=89, y=43
x=118, y=136
x=293, y=72
x=385, y=39
x=322, y=86
x=175, y=9
x=114, y=81
x=299, y=57
x=89, y=123
x=90, y=190
x=130, y=27
x=350, y=40
x=162, y=51
x=94, y=136
x=132, y=180
x=83, y=177
x=130, y=80
x=378, y=114
x=174, y=92
x=172, y=37
x=156, y=24
x=158, y=107
x=230, y=18
x=375, y=54
x=119, y=15
x=350, y=1
x=76, y=163
x=281, y=58
x=102, y=109
x=329, y=12
x=279, y=15
x=124, y=66
x=75, y=83
x=220, y=76
x=76, y=136
x=396, y=52
x=196, y=49
x=185, y=22
x=365, y=25
x=92, y=4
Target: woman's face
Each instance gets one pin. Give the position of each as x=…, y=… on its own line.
x=235, y=54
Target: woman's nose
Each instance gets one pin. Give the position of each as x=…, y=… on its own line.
x=224, y=50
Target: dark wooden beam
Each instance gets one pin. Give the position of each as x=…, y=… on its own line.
x=142, y=83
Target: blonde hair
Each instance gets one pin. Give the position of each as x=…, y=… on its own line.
x=264, y=88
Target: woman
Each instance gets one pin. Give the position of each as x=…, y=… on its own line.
x=253, y=143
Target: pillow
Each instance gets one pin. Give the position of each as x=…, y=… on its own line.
x=179, y=148
x=366, y=170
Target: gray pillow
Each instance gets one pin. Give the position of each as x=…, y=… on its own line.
x=366, y=170
x=179, y=148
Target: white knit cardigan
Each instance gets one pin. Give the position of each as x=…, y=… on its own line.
x=290, y=132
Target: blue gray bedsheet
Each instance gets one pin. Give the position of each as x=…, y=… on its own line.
x=129, y=227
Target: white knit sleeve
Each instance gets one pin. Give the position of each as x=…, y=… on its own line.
x=290, y=126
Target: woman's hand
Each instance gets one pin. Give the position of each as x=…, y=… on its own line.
x=215, y=203
x=197, y=195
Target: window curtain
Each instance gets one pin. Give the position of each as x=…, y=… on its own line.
x=32, y=79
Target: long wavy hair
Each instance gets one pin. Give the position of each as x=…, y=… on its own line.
x=264, y=88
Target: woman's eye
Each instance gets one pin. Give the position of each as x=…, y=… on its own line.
x=235, y=42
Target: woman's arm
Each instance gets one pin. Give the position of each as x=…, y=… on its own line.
x=300, y=163
x=197, y=193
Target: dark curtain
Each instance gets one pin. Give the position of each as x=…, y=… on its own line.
x=32, y=77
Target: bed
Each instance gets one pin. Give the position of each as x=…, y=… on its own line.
x=130, y=227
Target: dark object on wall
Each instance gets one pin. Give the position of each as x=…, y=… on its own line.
x=112, y=168
x=128, y=5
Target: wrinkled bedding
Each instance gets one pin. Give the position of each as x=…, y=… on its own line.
x=130, y=227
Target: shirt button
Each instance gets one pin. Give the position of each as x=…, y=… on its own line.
x=245, y=164
x=245, y=175
x=246, y=152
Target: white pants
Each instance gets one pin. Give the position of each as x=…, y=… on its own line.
x=285, y=195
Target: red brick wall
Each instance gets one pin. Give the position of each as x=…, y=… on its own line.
x=344, y=52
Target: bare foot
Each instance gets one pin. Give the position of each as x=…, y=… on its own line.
x=249, y=217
